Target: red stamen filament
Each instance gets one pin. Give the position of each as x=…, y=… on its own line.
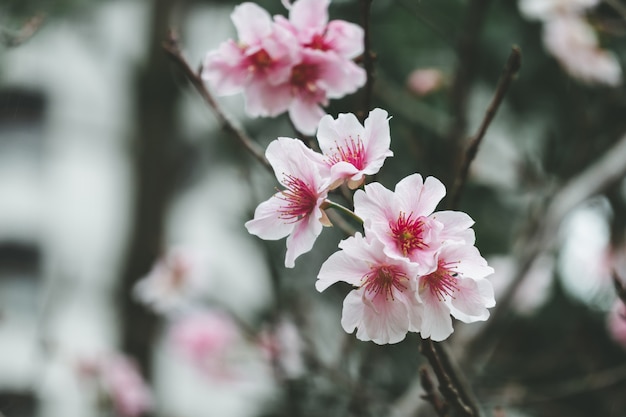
x=383, y=279
x=300, y=200
x=407, y=233
x=353, y=152
x=442, y=283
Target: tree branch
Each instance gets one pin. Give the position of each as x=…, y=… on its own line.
x=511, y=68
x=171, y=46
x=601, y=175
x=446, y=385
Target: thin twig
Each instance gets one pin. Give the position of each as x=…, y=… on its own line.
x=368, y=58
x=511, y=68
x=446, y=385
x=596, y=178
x=171, y=46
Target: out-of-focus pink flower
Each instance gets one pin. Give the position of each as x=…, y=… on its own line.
x=458, y=287
x=175, y=279
x=616, y=323
x=294, y=211
x=405, y=221
x=548, y=9
x=205, y=338
x=574, y=44
x=352, y=150
x=318, y=77
x=263, y=57
x=119, y=379
x=383, y=307
x=293, y=65
x=308, y=21
x=284, y=345
x=424, y=81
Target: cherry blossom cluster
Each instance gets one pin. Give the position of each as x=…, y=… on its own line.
x=569, y=37
x=295, y=64
x=412, y=268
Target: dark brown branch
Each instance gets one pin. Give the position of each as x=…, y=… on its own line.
x=171, y=46
x=446, y=385
x=511, y=68
x=430, y=395
x=368, y=58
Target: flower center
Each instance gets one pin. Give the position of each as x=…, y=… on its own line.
x=408, y=232
x=299, y=198
x=259, y=61
x=318, y=43
x=303, y=77
x=441, y=283
x=383, y=279
x=352, y=151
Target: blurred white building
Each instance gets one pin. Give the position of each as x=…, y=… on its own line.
x=66, y=122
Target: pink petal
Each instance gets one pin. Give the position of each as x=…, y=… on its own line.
x=420, y=198
x=305, y=115
x=377, y=140
x=384, y=323
x=436, y=320
x=345, y=38
x=222, y=69
x=290, y=156
x=341, y=267
x=471, y=301
x=340, y=76
x=263, y=99
x=253, y=23
x=303, y=237
x=456, y=226
x=266, y=223
x=309, y=14
x=376, y=205
x=333, y=132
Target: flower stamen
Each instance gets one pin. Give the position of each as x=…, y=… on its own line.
x=352, y=151
x=300, y=200
x=383, y=280
x=408, y=233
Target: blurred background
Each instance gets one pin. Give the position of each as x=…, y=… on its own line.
x=113, y=169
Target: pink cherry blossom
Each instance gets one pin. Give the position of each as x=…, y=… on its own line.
x=352, y=150
x=295, y=211
x=574, y=43
x=405, y=221
x=308, y=21
x=263, y=57
x=383, y=307
x=458, y=287
x=178, y=277
x=205, y=338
